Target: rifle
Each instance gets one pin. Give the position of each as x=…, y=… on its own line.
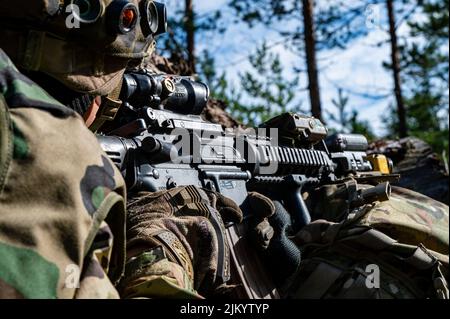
x=159, y=141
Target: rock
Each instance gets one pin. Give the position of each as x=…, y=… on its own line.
x=215, y=112
x=419, y=167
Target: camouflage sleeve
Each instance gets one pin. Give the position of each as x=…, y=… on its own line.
x=159, y=256
x=57, y=190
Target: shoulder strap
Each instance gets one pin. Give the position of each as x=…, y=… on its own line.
x=108, y=110
x=6, y=143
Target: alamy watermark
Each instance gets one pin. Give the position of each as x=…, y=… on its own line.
x=201, y=147
x=373, y=16
x=73, y=20
x=73, y=274
x=373, y=276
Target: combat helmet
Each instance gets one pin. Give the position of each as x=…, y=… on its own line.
x=84, y=44
x=80, y=47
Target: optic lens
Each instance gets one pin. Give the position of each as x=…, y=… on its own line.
x=84, y=7
x=121, y=16
x=128, y=18
x=162, y=18
x=87, y=11
x=149, y=19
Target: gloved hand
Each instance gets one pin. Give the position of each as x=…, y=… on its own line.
x=271, y=235
x=261, y=208
x=176, y=243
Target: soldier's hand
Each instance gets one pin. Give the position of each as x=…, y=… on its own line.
x=177, y=244
x=271, y=237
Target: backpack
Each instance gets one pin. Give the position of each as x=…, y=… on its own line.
x=385, y=250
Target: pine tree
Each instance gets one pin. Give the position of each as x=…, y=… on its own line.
x=425, y=62
x=301, y=37
x=348, y=121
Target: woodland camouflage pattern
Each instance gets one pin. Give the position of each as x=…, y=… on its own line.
x=409, y=217
x=57, y=190
x=86, y=59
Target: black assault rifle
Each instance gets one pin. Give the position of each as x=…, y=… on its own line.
x=159, y=141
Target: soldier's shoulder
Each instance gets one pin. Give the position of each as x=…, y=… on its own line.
x=19, y=91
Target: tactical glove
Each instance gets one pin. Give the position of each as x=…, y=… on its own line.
x=261, y=208
x=176, y=243
x=271, y=236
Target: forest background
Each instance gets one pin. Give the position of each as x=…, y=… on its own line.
x=377, y=67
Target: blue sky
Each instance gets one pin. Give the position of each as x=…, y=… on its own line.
x=358, y=69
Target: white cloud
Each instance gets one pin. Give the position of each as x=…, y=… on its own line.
x=358, y=71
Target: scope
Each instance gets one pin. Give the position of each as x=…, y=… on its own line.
x=179, y=94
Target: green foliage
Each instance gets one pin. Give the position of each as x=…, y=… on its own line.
x=348, y=120
x=265, y=11
x=357, y=126
x=425, y=66
x=341, y=22
x=174, y=43
x=270, y=91
x=219, y=86
x=263, y=93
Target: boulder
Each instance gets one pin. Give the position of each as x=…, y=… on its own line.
x=420, y=168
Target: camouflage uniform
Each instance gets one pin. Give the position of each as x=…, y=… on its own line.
x=62, y=201
x=405, y=238
x=176, y=245
x=57, y=189
x=52, y=167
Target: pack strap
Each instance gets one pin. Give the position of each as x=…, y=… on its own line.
x=440, y=283
x=109, y=109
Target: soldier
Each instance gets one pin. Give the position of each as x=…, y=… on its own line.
x=62, y=201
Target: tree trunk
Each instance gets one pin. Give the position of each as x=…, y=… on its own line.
x=311, y=62
x=190, y=33
x=395, y=56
